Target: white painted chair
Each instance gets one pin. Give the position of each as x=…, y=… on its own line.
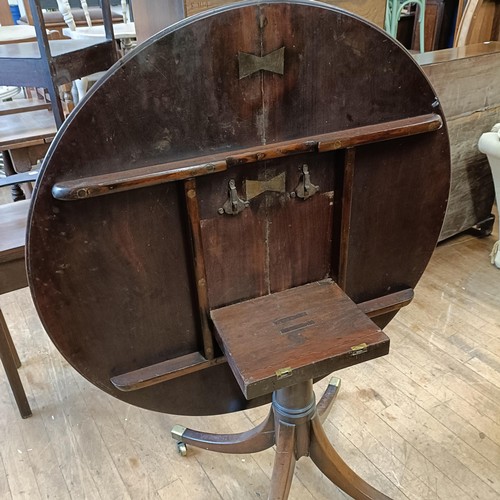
x=122, y=31
x=489, y=144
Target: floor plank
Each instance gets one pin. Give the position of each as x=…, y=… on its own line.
x=420, y=423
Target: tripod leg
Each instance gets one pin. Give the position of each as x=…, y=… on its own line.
x=326, y=402
x=284, y=462
x=331, y=464
x=257, y=439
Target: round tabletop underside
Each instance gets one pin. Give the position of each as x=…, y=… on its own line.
x=114, y=277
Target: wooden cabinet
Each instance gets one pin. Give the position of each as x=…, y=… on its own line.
x=467, y=81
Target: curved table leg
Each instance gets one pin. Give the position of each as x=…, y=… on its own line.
x=331, y=464
x=326, y=402
x=284, y=462
x=257, y=439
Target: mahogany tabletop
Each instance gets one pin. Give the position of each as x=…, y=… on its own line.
x=237, y=154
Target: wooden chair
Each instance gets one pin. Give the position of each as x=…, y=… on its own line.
x=13, y=218
x=393, y=13
x=124, y=32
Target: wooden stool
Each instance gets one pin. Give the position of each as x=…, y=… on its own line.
x=13, y=218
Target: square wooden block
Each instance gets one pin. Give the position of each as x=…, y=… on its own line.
x=299, y=334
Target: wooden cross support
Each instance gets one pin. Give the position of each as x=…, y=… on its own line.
x=177, y=367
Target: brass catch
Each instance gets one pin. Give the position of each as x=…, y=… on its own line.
x=359, y=349
x=284, y=373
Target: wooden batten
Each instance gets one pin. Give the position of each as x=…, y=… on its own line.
x=90, y=187
x=161, y=372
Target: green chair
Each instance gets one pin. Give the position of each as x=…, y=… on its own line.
x=393, y=13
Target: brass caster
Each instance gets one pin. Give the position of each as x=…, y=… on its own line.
x=182, y=449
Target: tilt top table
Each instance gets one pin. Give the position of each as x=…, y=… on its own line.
x=257, y=199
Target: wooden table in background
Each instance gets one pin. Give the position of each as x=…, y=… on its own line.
x=25, y=135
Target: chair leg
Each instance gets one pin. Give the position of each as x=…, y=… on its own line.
x=10, y=342
x=331, y=464
x=421, y=15
x=257, y=439
x=9, y=362
x=284, y=462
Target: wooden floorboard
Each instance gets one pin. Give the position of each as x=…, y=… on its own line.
x=420, y=423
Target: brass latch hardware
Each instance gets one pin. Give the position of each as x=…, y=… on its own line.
x=234, y=204
x=284, y=373
x=305, y=189
x=359, y=349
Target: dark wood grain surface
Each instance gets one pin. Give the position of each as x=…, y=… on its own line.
x=115, y=278
x=308, y=331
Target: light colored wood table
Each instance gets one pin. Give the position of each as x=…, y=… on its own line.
x=16, y=33
x=25, y=137
x=21, y=130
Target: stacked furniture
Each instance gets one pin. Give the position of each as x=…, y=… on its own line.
x=53, y=63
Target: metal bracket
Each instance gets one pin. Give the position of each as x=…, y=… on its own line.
x=305, y=189
x=234, y=204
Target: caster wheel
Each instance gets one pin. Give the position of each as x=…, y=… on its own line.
x=182, y=448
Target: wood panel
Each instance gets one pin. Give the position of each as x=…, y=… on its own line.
x=480, y=23
x=285, y=331
x=372, y=10
x=13, y=218
x=277, y=242
x=5, y=14
x=457, y=75
x=471, y=105
x=472, y=191
x=25, y=129
x=434, y=12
